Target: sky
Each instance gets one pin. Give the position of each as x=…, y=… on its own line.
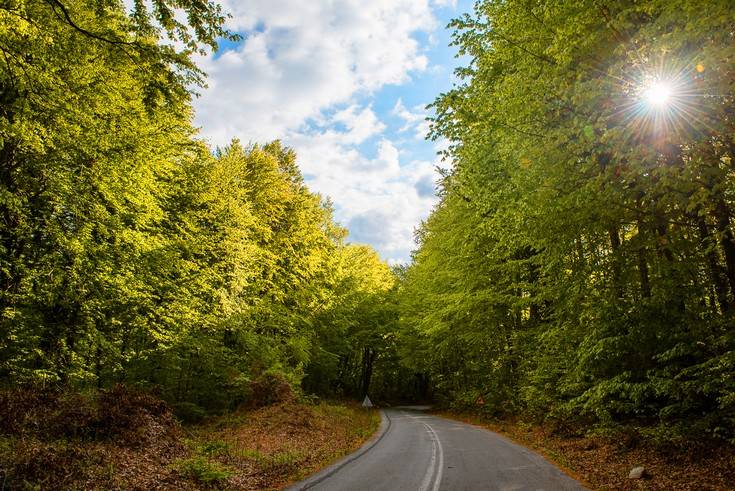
x=345, y=83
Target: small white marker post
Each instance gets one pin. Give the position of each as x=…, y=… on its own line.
x=366, y=403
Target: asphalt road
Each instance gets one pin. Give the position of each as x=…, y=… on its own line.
x=421, y=452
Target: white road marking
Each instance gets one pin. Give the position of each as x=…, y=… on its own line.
x=440, y=468
x=436, y=450
x=432, y=463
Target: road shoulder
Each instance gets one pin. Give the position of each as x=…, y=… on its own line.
x=335, y=467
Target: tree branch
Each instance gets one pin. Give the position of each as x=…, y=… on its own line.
x=68, y=19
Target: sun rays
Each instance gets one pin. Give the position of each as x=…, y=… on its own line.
x=667, y=99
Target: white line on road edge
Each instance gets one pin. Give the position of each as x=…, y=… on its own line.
x=329, y=471
x=436, y=447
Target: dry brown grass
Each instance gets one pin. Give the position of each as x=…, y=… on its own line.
x=115, y=439
x=123, y=439
x=267, y=448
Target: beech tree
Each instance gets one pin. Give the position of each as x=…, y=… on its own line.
x=129, y=250
x=578, y=264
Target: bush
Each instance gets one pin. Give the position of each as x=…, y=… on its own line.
x=49, y=464
x=47, y=413
x=136, y=418
x=271, y=387
x=68, y=440
x=128, y=417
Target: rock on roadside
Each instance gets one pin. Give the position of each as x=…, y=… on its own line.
x=637, y=473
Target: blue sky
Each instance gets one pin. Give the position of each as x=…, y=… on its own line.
x=345, y=83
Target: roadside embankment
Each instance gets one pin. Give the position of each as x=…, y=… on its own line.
x=126, y=439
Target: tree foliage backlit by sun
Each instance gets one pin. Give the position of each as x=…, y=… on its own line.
x=581, y=264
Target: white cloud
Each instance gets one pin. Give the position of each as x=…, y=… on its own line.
x=299, y=58
x=304, y=73
x=361, y=124
x=380, y=199
x=414, y=120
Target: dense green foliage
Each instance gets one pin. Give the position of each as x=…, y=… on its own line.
x=130, y=252
x=581, y=263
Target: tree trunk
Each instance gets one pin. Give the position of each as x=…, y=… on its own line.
x=727, y=242
x=616, y=271
x=643, y=272
x=715, y=269
x=368, y=358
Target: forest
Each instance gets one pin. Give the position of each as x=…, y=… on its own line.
x=581, y=263
x=134, y=254
x=578, y=268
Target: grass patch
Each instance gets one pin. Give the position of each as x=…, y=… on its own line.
x=203, y=470
x=215, y=448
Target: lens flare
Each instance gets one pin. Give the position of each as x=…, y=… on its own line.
x=658, y=94
x=660, y=98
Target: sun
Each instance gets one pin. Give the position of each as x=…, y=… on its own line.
x=658, y=94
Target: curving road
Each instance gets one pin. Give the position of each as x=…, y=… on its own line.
x=416, y=451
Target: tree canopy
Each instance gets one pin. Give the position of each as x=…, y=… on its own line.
x=580, y=263
x=129, y=250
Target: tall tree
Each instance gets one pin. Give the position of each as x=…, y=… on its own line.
x=596, y=226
